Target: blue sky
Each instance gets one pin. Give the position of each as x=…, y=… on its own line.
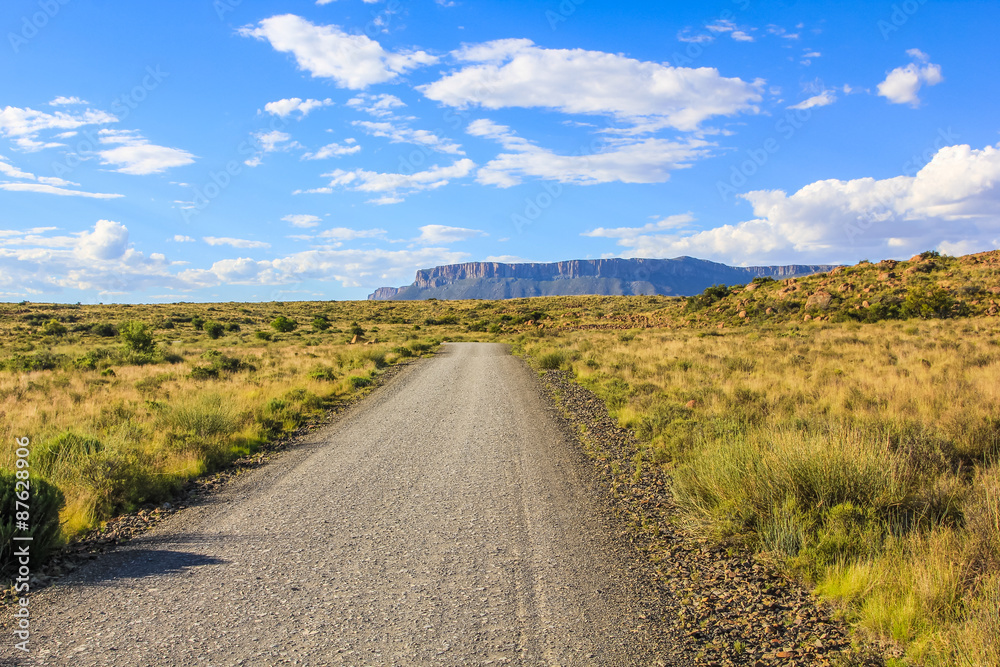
x=237, y=150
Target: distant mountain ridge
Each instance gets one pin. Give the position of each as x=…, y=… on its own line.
x=681, y=276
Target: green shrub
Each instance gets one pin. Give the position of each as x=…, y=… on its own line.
x=208, y=417
x=923, y=302
x=117, y=480
x=214, y=329
x=40, y=361
x=552, y=360
x=204, y=373
x=305, y=398
x=710, y=296
x=198, y=323
x=45, y=501
x=135, y=337
x=221, y=363
x=105, y=330
x=320, y=323
x=264, y=335
x=153, y=383
x=282, y=324
x=377, y=357
x=534, y=316
x=54, y=328
x=322, y=373
x=447, y=319
x=357, y=381
x=66, y=451
x=233, y=327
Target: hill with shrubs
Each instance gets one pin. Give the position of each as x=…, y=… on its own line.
x=928, y=285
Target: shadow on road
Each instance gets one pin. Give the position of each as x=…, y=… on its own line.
x=140, y=563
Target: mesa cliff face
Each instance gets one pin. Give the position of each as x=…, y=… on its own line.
x=682, y=276
x=383, y=294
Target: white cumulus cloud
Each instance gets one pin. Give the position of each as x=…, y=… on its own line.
x=623, y=160
x=135, y=155
x=349, y=147
x=286, y=107
x=369, y=267
x=953, y=202
x=443, y=234
x=399, y=133
x=303, y=221
x=380, y=106
x=516, y=73
x=902, y=85
x=46, y=189
x=99, y=259
x=62, y=101
x=825, y=98
x=24, y=125
x=236, y=243
x=348, y=234
x=326, y=51
x=393, y=187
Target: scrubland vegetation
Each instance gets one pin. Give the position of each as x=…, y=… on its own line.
x=855, y=445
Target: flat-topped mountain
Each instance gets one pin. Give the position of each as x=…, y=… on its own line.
x=681, y=276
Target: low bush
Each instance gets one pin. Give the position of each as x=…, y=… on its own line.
x=322, y=373
x=105, y=330
x=135, y=336
x=220, y=363
x=54, y=328
x=357, y=381
x=551, y=360
x=441, y=321
x=64, y=452
x=214, y=329
x=40, y=361
x=45, y=501
x=282, y=324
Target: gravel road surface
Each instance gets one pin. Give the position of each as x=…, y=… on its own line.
x=444, y=520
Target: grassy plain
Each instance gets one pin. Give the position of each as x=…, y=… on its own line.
x=846, y=425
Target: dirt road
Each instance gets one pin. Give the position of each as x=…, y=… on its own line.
x=443, y=520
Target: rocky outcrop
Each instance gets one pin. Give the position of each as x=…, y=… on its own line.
x=682, y=276
x=383, y=294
